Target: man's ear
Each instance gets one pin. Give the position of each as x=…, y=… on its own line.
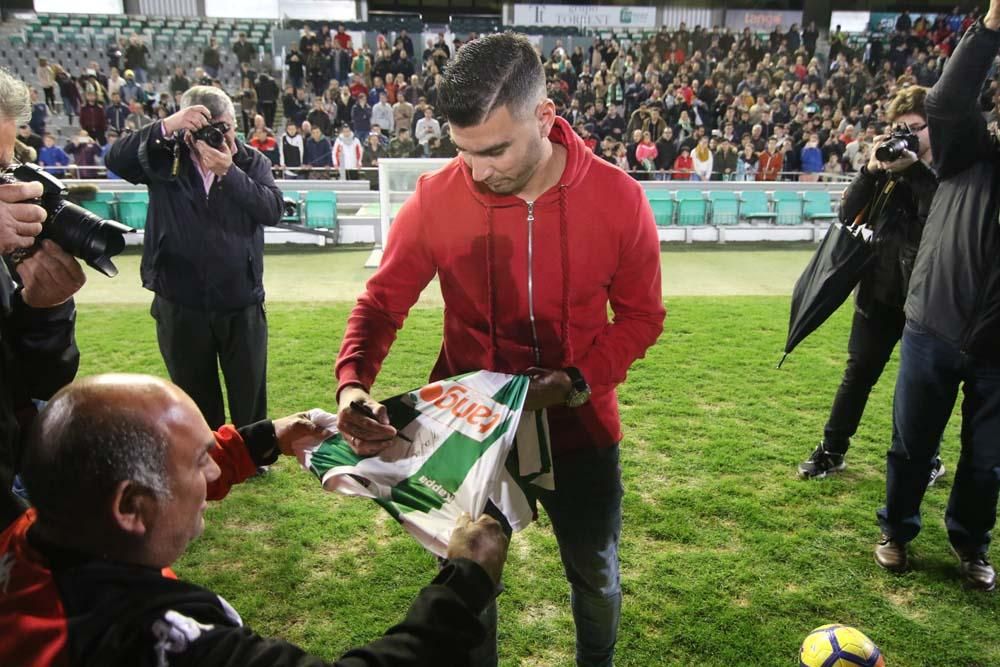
x=546, y=114
x=132, y=508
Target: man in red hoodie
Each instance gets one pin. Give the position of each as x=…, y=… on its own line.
x=532, y=236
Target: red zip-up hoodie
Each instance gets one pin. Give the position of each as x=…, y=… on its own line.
x=524, y=284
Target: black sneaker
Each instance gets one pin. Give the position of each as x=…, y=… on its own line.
x=937, y=471
x=821, y=463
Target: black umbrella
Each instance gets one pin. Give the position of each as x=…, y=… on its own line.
x=827, y=281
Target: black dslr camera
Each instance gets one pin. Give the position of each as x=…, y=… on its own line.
x=77, y=231
x=899, y=141
x=214, y=135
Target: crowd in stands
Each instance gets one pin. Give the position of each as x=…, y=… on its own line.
x=679, y=104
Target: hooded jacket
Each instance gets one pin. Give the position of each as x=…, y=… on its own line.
x=524, y=284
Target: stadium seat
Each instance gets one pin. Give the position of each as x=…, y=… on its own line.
x=817, y=207
x=662, y=203
x=132, y=209
x=725, y=207
x=321, y=210
x=754, y=206
x=787, y=207
x=102, y=205
x=692, y=209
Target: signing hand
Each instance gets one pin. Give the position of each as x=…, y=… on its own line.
x=365, y=435
x=191, y=119
x=297, y=429
x=50, y=276
x=19, y=223
x=481, y=540
x=547, y=388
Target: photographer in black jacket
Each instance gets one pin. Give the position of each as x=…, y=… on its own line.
x=952, y=334
x=203, y=252
x=38, y=352
x=894, y=200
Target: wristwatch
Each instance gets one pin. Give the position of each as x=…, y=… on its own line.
x=579, y=392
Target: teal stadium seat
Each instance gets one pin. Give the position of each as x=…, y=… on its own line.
x=321, y=210
x=692, y=209
x=102, y=205
x=725, y=207
x=132, y=208
x=662, y=203
x=817, y=207
x=754, y=206
x=787, y=207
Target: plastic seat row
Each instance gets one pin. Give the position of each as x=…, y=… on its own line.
x=693, y=207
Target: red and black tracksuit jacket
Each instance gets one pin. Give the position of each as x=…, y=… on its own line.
x=63, y=608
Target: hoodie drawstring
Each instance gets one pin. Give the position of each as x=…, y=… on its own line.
x=491, y=300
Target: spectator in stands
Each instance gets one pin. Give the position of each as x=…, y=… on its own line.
x=645, y=154
x=131, y=90
x=613, y=124
x=69, y=92
x=703, y=161
x=812, y=159
x=770, y=162
x=747, y=167
x=373, y=151
x=137, y=119
x=52, y=157
x=318, y=154
x=403, y=145
x=298, y=109
x=725, y=161
x=244, y=51
x=342, y=38
x=45, y=77
x=264, y=142
x=116, y=113
x=29, y=138
x=361, y=66
x=295, y=62
x=427, y=128
x=414, y=90
x=402, y=114
x=211, y=59
x=347, y=154
x=666, y=153
x=267, y=97
x=318, y=117
x=135, y=58
x=382, y=114
x=39, y=114
x=291, y=149
x=361, y=117
x=112, y=137
x=179, y=81
x=318, y=70
x=832, y=169
x=200, y=78
x=684, y=165
x=93, y=118
x=85, y=152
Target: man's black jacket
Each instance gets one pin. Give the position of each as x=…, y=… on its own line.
x=896, y=207
x=203, y=252
x=955, y=287
x=38, y=356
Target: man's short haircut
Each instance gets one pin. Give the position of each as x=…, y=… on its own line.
x=908, y=100
x=215, y=100
x=15, y=99
x=81, y=447
x=498, y=70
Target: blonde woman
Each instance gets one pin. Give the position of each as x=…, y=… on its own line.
x=703, y=161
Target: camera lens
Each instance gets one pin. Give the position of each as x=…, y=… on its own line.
x=83, y=234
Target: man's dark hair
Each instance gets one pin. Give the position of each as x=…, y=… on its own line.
x=81, y=446
x=498, y=70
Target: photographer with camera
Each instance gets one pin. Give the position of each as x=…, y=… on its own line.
x=210, y=196
x=891, y=194
x=38, y=352
x=952, y=334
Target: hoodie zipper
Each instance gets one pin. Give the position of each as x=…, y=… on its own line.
x=531, y=282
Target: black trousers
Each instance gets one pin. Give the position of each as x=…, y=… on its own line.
x=872, y=340
x=195, y=343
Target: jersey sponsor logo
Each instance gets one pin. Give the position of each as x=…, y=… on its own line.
x=460, y=408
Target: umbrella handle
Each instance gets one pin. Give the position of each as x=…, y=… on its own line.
x=783, y=357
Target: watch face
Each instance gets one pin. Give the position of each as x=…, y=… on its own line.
x=578, y=398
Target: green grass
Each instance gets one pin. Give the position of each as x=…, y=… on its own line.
x=727, y=558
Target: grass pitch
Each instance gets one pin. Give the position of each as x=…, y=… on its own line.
x=727, y=558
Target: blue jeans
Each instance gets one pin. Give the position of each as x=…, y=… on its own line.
x=930, y=373
x=586, y=514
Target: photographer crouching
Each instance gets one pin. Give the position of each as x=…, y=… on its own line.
x=892, y=194
x=38, y=353
x=203, y=253
x=952, y=334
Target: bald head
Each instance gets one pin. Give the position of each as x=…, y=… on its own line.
x=96, y=433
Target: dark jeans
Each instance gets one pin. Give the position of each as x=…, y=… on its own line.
x=268, y=109
x=873, y=337
x=195, y=343
x=586, y=514
x=930, y=373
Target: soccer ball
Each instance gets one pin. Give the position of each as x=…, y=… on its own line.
x=839, y=646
